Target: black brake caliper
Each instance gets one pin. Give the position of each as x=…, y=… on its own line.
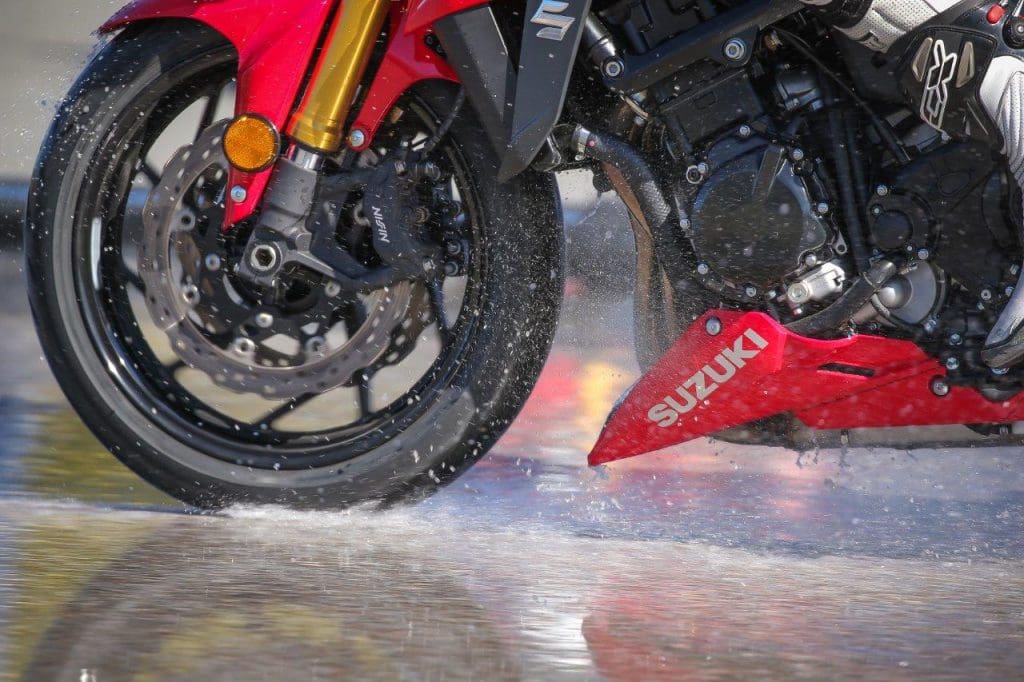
x=391, y=202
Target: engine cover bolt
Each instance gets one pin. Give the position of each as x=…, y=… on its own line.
x=986, y=295
x=1000, y=371
x=750, y=291
x=876, y=210
x=684, y=224
x=823, y=208
x=955, y=339
x=745, y=131
x=1014, y=270
x=451, y=268
x=923, y=253
x=810, y=260
x=939, y=387
x=734, y=49
x=1008, y=291
x=713, y=326
x=238, y=194
x=882, y=190
x=332, y=289
x=703, y=269
x=212, y=262
x=952, y=364
x=613, y=68
x=931, y=325
x=264, y=320
x=797, y=154
x=453, y=248
x=356, y=138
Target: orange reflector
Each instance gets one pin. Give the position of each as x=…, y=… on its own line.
x=251, y=143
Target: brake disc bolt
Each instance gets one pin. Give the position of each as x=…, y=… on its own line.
x=713, y=326
x=316, y=345
x=356, y=138
x=238, y=194
x=243, y=346
x=212, y=262
x=952, y=364
x=986, y=295
x=940, y=387
x=882, y=190
x=190, y=292
x=332, y=289
x=264, y=320
x=703, y=269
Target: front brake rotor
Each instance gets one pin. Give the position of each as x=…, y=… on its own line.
x=236, y=358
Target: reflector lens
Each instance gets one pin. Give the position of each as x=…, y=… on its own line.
x=251, y=143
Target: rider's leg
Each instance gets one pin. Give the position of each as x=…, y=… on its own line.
x=963, y=68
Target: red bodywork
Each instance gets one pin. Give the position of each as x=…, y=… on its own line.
x=275, y=43
x=861, y=381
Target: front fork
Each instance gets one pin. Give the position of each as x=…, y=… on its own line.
x=316, y=130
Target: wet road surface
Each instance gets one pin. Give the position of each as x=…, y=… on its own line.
x=709, y=561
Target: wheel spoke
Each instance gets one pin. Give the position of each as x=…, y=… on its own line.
x=209, y=111
x=285, y=408
x=365, y=394
x=175, y=366
x=437, y=305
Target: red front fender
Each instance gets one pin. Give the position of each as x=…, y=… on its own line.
x=275, y=40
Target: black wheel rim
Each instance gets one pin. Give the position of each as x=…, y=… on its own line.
x=154, y=385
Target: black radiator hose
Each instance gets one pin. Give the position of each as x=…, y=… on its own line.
x=840, y=312
x=657, y=212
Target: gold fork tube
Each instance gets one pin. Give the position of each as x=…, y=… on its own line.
x=319, y=121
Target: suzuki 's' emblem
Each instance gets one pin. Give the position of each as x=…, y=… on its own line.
x=549, y=15
x=707, y=379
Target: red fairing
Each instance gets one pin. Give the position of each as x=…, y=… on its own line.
x=756, y=368
x=408, y=60
x=275, y=42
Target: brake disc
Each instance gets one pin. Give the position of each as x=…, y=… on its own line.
x=227, y=341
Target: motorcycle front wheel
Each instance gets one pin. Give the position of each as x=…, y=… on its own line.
x=461, y=356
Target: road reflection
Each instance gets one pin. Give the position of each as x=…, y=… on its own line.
x=706, y=561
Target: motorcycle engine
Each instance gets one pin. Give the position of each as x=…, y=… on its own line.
x=756, y=210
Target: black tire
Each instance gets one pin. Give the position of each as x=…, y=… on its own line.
x=458, y=422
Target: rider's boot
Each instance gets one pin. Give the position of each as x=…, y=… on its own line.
x=961, y=64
